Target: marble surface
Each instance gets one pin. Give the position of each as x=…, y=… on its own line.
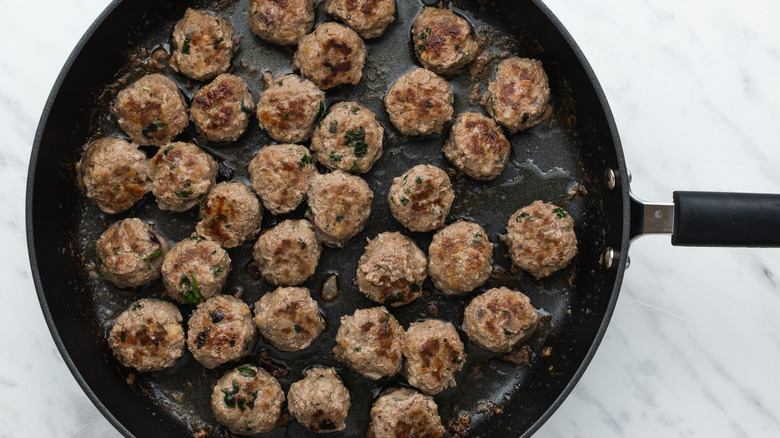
x=694, y=344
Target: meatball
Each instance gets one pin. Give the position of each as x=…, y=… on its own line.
x=541, y=239
x=288, y=253
x=339, y=207
x=500, y=319
x=289, y=318
x=130, y=253
x=282, y=175
x=477, y=146
x=519, y=96
x=182, y=174
x=460, y=258
x=320, y=401
x=370, y=341
x=195, y=269
x=443, y=41
x=220, y=330
x=281, y=21
x=289, y=108
x=230, y=214
x=148, y=336
x=421, y=198
x=203, y=45
x=114, y=173
x=247, y=400
x=152, y=110
x=221, y=109
x=419, y=102
x=348, y=138
x=433, y=352
x=392, y=269
x=405, y=412
x=369, y=18
x=331, y=55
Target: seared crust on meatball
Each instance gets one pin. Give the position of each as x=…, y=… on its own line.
x=114, y=173
x=247, y=400
x=281, y=21
x=392, y=269
x=443, y=41
x=182, y=174
x=421, y=198
x=460, y=258
x=348, y=138
x=148, y=335
x=404, y=412
x=203, y=45
x=370, y=341
x=331, y=55
x=195, y=269
x=320, y=401
x=152, y=110
x=419, y=102
x=477, y=146
x=288, y=253
x=281, y=175
x=519, y=96
x=221, y=109
x=369, y=18
x=433, y=352
x=220, y=330
x=289, y=318
x=500, y=319
x=130, y=253
x=289, y=108
x=541, y=239
x=230, y=214
x=339, y=207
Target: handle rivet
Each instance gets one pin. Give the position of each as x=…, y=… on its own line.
x=608, y=258
x=610, y=178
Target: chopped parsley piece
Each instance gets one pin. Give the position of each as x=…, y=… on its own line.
x=166, y=150
x=216, y=270
x=355, y=167
x=191, y=292
x=305, y=160
x=320, y=112
x=153, y=127
x=457, y=47
x=334, y=157
x=155, y=254
x=354, y=110
x=185, y=190
x=185, y=47
x=250, y=403
x=358, y=348
x=507, y=332
x=302, y=243
x=334, y=126
x=136, y=306
x=247, y=371
x=304, y=197
x=525, y=117
x=418, y=180
x=505, y=312
x=521, y=216
x=297, y=328
x=339, y=218
x=408, y=190
x=280, y=83
x=397, y=298
x=246, y=109
x=160, y=326
x=230, y=396
x=421, y=47
x=561, y=213
x=455, y=357
x=477, y=239
x=404, y=201
x=428, y=104
x=325, y=114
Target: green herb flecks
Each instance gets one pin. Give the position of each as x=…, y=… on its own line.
x=301, y=243
x=404, y=201
x=456, y=357
x=185, y=47
x=561, y=213
x=358, y=349
x=507, y=332
x=418, y=180
x=153, y=127
x=521, y=216
x=297, y=328
x=155, y=254
x=397, y=298
x=250, y=400
x=477, y=239
x=334, y=126
x=333, y=157
x=185, y=191
x=324, y=114
x=160, y=326
x=166, y=150
x=136, y=306
x=217, y=42
x=190, y=288
x=216, y=270
x=306, y=160
x=339, y=218
x=355, y=169
x=230, y=396
x=304, y=197
x=246, y=109
x=247, y=371
x=354, y=110
x=320, y=112
x=525, y=117
x=357, y=139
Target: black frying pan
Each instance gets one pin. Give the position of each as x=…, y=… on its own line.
x=578, y=146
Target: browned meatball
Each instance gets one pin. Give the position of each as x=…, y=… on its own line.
x=195, y=269
x=247, y=400
x=289, y=108
x=443, y=41
x=421, y=198
x=130, y=253
x=392, y=269
x=148, y=336
x=230, y=214
x=203, y=45
x=320, y=401
x=477, y=146
x=288, y=253
x=419, y=102
x=220, y=330
x=460, y=258
x=541, y=239
x=282, y=175
x=500, y=319
x=405, y=412
x=331, y=55
x=281, y=21
x=348, y=138
x=221, y=109
x=182, y=174
x=339, y=207
x=369, y=18
x=370, y=341
x=114, y=173
x=289, y=318
x=152, y=110
x=519, y=96
x=433, y=352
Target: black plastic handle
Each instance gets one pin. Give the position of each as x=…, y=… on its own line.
x=726, y=219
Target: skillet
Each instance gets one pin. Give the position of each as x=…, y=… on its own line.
x=583, y=144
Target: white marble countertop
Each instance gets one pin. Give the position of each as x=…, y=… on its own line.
x=694, y=345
